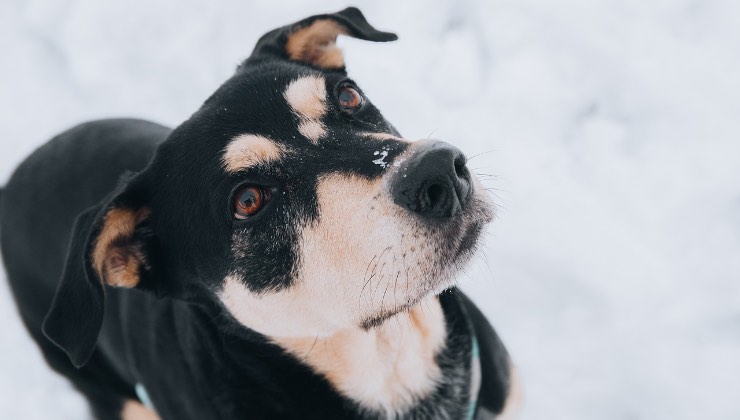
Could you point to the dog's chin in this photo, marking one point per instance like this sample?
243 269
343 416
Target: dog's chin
381 317
447 265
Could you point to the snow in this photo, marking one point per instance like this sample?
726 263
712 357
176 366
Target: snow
608 131
381 160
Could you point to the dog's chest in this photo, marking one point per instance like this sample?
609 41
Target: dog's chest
405 368
230 375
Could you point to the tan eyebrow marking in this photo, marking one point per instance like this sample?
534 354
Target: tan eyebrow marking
307 98
381 136
312 130
248 150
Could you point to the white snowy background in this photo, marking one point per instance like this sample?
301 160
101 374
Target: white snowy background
609 131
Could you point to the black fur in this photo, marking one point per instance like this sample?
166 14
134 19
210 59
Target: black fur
170 333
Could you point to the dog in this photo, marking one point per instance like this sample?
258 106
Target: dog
283 253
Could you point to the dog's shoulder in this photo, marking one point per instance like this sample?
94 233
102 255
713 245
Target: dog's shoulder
105 146
124 136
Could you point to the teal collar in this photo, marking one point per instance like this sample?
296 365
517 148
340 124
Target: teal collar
475 376
144 396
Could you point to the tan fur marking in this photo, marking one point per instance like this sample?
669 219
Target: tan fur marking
249 150
121 268
382 136
386 368
312 130
307 98
316 44
300 314
330 58
116 260
134 410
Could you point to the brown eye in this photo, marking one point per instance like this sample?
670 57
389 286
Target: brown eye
249 200
349 98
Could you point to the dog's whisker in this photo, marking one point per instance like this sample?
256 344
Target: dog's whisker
480 154
368 265
305 357
382 300
369 281
395 286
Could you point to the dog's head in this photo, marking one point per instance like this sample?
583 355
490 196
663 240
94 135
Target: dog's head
288 197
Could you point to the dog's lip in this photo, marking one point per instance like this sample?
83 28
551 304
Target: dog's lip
470 237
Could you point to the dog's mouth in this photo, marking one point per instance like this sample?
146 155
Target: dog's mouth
461 249
465 232
462 243
469 239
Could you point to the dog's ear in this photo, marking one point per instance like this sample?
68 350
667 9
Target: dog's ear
111 244
313 40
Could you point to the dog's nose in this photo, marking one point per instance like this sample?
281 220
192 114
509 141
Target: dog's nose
433 182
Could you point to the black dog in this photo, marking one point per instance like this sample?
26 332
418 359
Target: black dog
283 253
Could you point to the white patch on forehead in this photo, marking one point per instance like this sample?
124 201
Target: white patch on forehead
307 98
249 150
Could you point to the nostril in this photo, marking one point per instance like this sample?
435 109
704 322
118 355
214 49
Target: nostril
463 184
460 169
435 193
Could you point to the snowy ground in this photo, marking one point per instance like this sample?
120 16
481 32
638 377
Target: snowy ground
610 130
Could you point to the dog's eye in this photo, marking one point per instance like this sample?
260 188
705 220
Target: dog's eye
249 200
349 98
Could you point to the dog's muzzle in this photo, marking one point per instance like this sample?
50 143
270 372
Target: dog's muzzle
433 181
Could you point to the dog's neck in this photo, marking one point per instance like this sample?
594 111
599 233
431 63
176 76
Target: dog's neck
386 368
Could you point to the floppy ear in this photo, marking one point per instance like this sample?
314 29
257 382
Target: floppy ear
111 244
313 40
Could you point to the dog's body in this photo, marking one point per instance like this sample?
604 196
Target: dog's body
217 319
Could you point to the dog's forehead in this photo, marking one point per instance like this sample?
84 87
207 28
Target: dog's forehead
271 81
279 112
306 98
275 100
